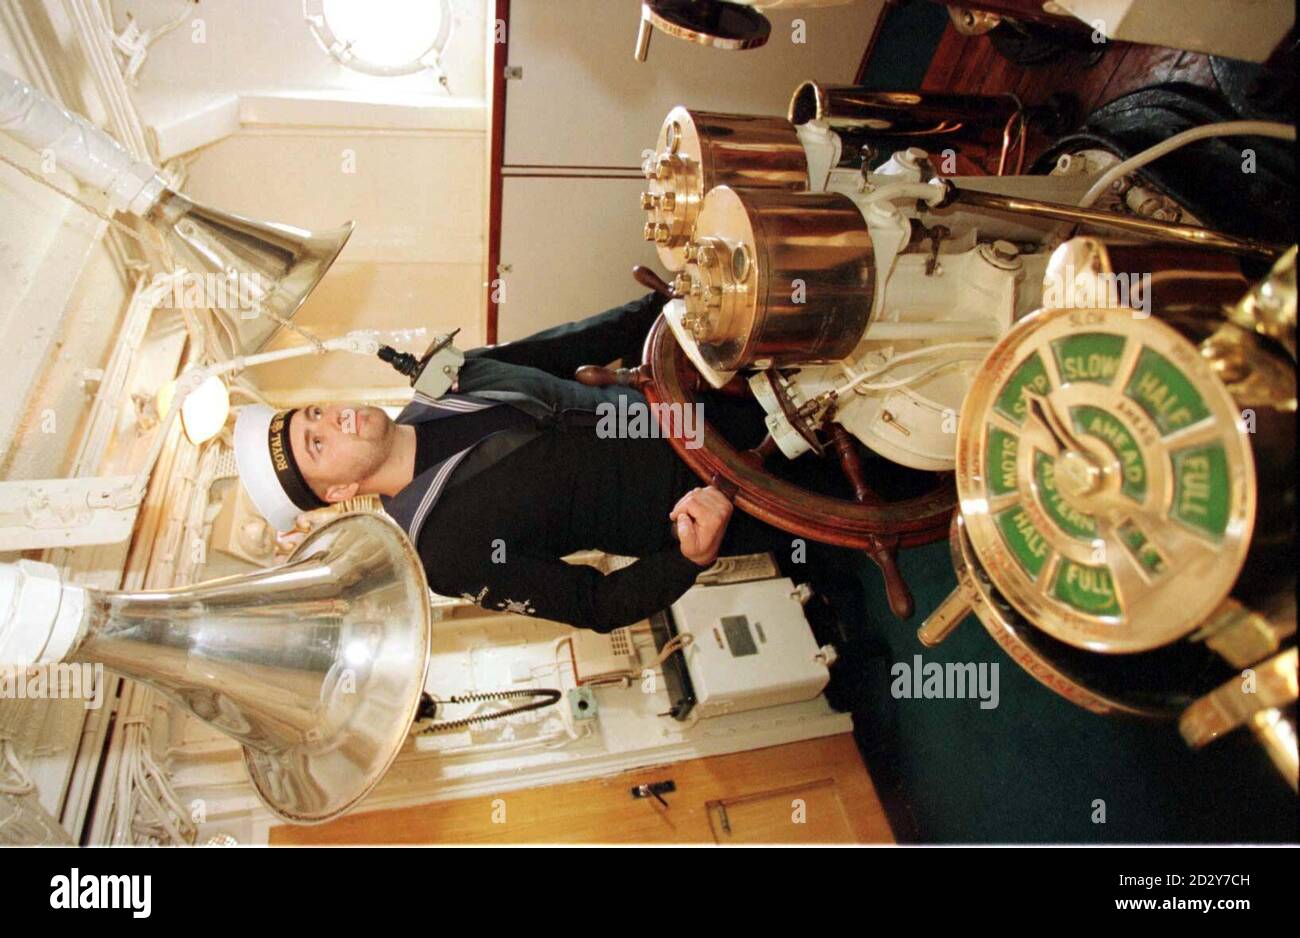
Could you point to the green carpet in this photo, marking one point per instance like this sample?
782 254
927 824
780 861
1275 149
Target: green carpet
1031 769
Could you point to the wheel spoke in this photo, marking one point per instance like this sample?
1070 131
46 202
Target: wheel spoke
760 453
851 464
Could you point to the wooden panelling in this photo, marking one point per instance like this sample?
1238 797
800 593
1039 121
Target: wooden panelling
817 791
970 64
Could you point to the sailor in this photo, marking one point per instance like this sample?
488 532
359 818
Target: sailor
499 479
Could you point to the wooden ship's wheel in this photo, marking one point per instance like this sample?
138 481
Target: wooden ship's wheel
868 522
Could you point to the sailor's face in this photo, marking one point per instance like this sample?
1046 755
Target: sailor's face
338 444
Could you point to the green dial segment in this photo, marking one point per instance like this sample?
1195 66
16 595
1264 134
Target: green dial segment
1000 469
1165 393
1027 544
1088 589
1146 553
1090 356
1202 485
1029 376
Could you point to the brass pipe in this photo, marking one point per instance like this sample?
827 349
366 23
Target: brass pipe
1160 230
949 614
643 35
1275 730
889 114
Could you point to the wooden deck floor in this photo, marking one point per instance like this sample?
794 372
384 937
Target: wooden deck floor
971 64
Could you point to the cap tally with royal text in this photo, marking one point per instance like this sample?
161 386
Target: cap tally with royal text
267 468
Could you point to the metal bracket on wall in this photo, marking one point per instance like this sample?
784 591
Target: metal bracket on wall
582 704
47 513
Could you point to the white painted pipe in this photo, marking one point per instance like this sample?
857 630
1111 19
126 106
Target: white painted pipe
356 342
84 150
929 193
931 329
960 350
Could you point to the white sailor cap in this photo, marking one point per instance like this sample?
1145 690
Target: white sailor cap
267 469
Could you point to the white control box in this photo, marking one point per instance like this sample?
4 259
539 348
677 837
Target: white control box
751 646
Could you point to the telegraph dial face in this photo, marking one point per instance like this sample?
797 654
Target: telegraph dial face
1105 480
